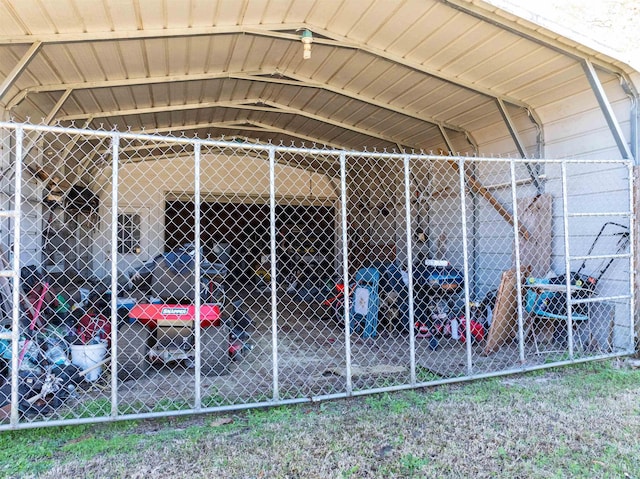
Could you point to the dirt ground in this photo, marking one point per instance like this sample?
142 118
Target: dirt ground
311 358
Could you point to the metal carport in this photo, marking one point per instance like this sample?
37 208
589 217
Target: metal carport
444 76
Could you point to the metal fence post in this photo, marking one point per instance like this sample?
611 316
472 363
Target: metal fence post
345 271
567 257
465 260
274 284
197 274
15 323
516 246
407 205
115 139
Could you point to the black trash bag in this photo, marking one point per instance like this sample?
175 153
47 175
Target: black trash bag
69 375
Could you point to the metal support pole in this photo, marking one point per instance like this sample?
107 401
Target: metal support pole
345 272
197 274
516 246
115 146
632 256
465 258
274 284
635 134
407 204
447 140
15 324
13 75
607 109
513 131
567 258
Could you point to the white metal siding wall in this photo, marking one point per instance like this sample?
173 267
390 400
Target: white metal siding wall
221 175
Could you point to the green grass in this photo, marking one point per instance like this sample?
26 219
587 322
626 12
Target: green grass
33 451
543 424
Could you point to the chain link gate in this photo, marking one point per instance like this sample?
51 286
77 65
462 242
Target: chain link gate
145 275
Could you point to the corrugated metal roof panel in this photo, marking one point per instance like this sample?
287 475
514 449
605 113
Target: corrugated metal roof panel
388 68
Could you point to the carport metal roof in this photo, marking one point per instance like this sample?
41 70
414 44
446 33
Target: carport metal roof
383 74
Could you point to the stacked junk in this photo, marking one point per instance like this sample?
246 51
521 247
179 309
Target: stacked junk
65 341
380 291
61 347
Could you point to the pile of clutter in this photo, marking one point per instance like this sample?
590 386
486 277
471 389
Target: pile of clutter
63 345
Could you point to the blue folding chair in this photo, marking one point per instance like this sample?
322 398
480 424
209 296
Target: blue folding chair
551 305
365 303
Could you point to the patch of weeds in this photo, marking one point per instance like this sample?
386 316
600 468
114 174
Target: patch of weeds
389 382
411 465
556 357
438 394
502 453
332 408
424 375
378 402
482 391
214 400
94 408
34 451
399 405
90 446
395 403
171 405
27 452
260 398
416 398
278 414
596 379
616 463
133 408
350 472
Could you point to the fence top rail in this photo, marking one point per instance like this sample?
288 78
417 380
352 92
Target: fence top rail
291 149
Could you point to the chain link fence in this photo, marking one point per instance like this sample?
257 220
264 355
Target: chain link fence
150 276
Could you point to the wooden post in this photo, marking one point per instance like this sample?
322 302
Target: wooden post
477 187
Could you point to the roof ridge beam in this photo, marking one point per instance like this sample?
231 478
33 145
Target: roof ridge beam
122 82
160 109
105 36
234 125
267 77
304 81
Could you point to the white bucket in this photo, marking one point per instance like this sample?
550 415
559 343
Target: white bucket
87 355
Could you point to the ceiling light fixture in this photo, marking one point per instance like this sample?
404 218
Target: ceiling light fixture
307 40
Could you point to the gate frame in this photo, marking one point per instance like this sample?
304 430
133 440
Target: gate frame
340 155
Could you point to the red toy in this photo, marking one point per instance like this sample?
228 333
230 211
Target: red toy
94 326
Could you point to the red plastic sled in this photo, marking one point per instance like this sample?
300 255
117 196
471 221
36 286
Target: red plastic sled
151 315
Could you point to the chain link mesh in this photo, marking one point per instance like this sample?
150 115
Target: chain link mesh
230 269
